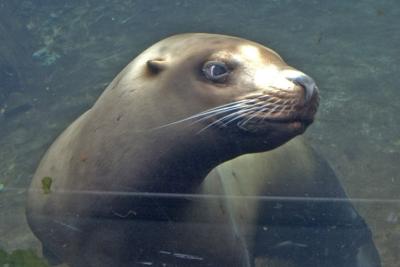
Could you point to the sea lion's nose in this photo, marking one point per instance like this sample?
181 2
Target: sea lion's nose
305 81
310 88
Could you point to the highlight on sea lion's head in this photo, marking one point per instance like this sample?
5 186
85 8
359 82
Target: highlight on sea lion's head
230 85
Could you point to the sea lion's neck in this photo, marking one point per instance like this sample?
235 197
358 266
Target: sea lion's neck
148 154
181 161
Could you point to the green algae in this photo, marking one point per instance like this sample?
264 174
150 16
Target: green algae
46 184
21 258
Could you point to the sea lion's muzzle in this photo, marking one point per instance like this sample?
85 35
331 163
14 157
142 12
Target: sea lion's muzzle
309 107
287 100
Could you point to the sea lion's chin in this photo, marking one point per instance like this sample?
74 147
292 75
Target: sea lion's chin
291 127
266 135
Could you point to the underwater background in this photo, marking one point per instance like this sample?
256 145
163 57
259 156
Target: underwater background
56 57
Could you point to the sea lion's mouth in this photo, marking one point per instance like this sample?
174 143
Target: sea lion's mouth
297 126
259 123
297 119
269 133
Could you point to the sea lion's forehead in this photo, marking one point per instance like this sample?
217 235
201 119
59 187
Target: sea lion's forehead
254 52
248 52
217 45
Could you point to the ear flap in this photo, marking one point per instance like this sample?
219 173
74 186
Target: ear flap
157 65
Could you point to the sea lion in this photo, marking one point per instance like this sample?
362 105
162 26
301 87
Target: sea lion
137 180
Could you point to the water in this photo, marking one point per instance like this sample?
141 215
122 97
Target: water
56 57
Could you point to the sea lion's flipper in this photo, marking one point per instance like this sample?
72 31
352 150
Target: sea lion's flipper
303 214
316 243
318 226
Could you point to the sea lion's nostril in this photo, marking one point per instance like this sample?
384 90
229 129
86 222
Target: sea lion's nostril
305 81
308 84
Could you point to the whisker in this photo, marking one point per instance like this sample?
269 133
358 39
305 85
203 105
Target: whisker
213 111
250 109
218 112
222 119
229 104
238 117
264 108
203 115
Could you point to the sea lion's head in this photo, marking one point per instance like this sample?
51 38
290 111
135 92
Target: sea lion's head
216 84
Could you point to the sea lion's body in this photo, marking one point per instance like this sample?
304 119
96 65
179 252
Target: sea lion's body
134 180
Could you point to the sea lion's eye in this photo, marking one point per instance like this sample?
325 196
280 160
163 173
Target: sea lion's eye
215 71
